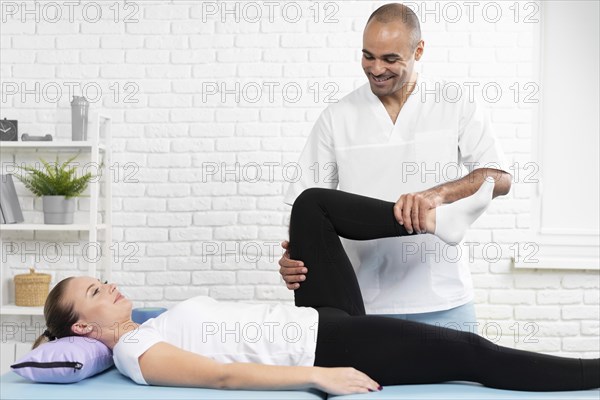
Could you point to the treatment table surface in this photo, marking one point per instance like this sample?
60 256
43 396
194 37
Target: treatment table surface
111 385
114 386
464 391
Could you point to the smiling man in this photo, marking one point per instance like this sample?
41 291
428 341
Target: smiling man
392 45
402 138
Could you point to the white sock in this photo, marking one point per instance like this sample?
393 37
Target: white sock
452 220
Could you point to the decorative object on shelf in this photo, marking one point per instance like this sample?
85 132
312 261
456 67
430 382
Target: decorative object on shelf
26 137
58 186
79 118
9 130
58 209
31 289
10 209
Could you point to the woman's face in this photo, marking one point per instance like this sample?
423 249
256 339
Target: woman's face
99 306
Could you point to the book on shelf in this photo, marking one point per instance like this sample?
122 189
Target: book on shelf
9 201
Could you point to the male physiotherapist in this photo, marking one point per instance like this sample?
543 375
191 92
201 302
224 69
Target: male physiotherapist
402 138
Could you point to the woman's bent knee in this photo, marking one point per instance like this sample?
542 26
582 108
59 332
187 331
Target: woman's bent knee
309 199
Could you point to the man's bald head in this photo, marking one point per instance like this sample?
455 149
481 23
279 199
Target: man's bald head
396 12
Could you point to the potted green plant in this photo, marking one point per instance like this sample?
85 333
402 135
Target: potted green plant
58 186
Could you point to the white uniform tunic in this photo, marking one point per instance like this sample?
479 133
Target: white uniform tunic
276 334
356 143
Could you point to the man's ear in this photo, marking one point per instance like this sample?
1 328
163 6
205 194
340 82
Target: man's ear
419 50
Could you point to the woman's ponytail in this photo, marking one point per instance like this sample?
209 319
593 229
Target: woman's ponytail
43 338
40 340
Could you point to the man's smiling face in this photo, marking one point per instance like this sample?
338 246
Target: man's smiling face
388 56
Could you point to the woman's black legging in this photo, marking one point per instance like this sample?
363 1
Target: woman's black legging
390 350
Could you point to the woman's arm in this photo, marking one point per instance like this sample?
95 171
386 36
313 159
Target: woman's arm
167 365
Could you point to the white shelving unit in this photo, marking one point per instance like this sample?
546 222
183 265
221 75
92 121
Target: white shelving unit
98 147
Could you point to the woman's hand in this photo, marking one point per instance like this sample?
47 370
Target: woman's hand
344 381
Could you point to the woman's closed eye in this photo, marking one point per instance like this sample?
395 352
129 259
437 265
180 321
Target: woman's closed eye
98 289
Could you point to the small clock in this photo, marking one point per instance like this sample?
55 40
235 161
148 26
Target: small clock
9 130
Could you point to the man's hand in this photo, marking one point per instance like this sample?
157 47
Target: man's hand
411 208
291 271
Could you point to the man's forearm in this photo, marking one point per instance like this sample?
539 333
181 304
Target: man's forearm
469 184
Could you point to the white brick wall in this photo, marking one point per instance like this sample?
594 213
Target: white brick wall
169 213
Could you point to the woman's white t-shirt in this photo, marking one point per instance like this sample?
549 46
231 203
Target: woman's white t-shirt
276 334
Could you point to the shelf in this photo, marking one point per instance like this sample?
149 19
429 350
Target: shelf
97 148
11 309
49 227
84 145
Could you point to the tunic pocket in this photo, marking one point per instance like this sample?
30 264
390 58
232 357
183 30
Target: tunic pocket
437 157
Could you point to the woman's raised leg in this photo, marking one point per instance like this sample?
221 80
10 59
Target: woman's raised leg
319 217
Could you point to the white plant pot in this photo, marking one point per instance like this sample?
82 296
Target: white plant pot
58 209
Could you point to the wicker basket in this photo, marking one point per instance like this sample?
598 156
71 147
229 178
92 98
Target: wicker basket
31 289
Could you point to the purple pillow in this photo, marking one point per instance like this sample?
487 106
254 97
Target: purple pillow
65 360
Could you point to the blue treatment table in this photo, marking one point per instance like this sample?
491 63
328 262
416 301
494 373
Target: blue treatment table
112 385
464 391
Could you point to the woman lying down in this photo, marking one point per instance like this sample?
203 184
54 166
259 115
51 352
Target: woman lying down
326 341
